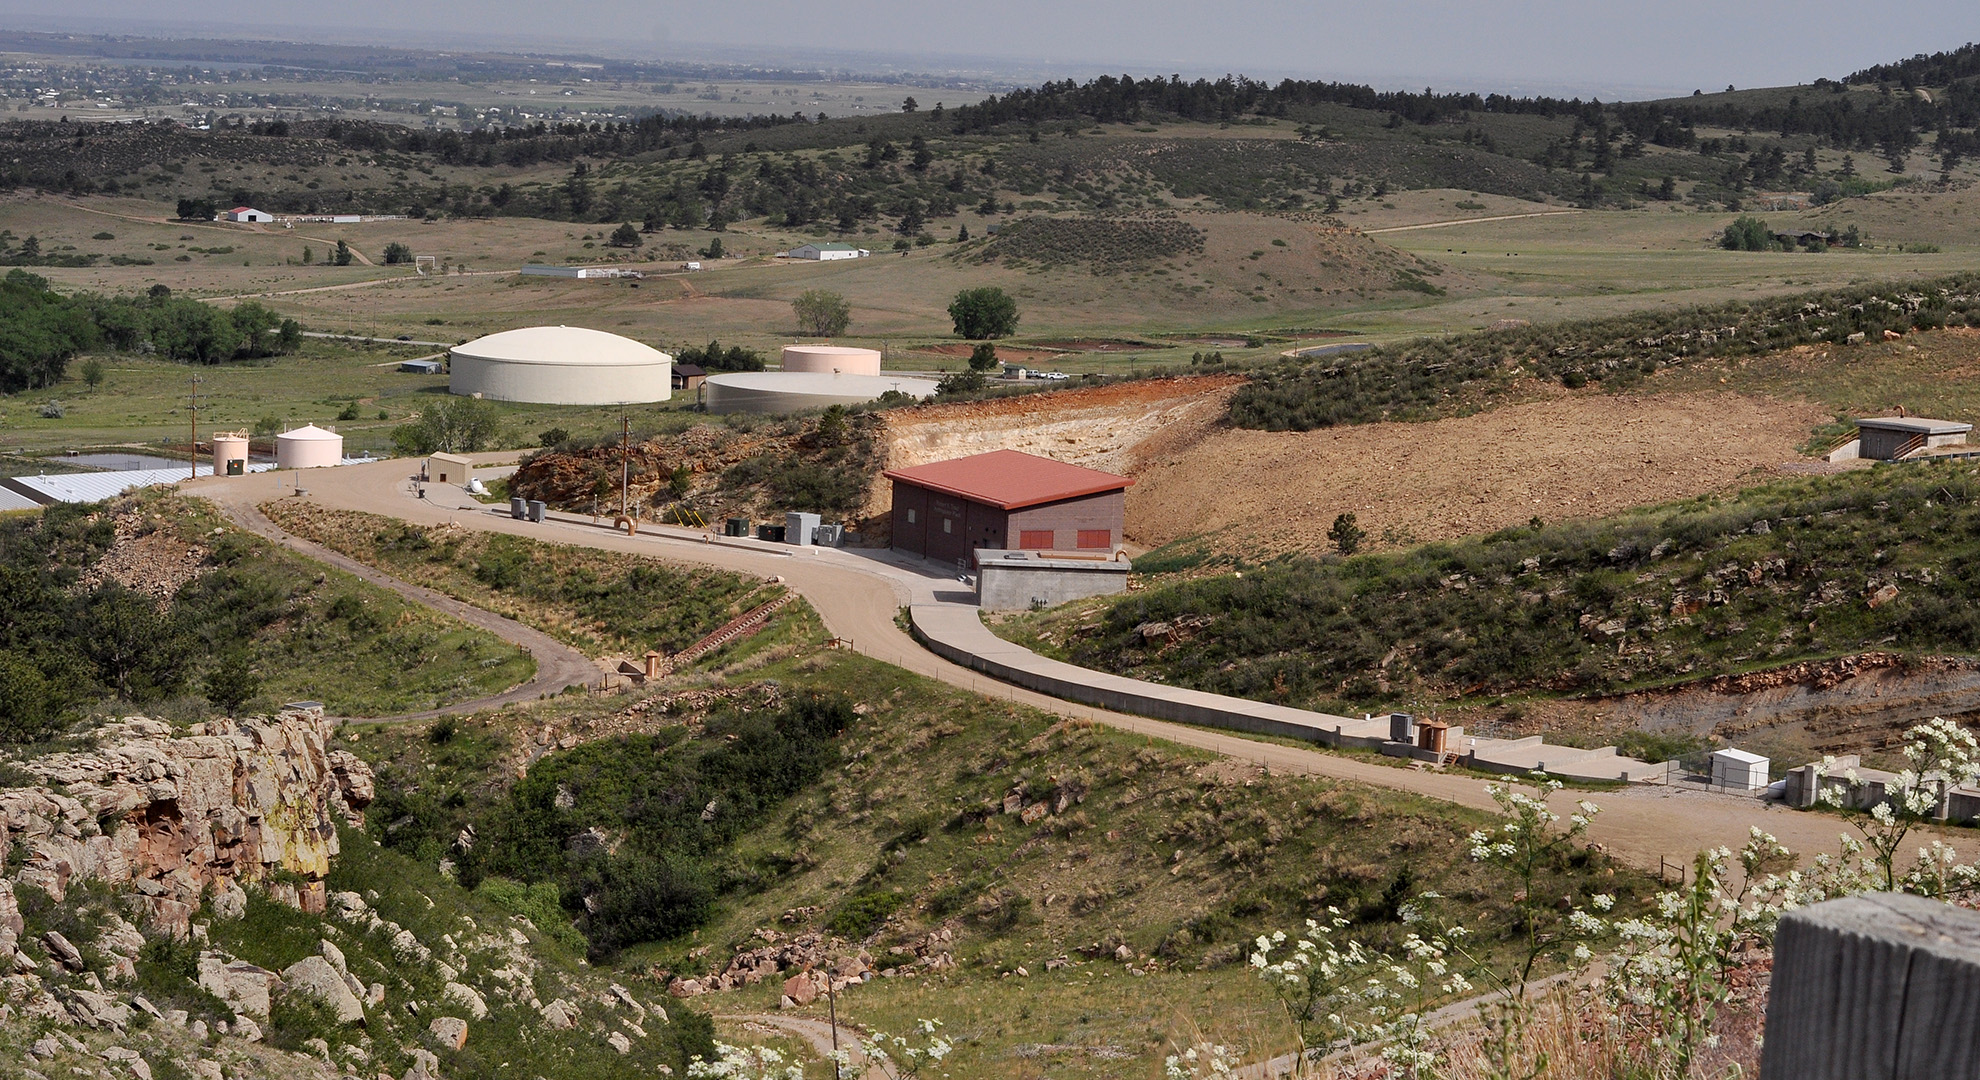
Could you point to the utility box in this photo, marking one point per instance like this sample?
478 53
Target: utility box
1433 735
518 507
536 509
828 535
736 527
1737 770
1402 727
798 528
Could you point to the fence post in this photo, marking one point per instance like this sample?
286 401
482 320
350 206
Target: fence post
1883 986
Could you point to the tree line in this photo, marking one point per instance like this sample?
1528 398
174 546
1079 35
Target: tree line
42 330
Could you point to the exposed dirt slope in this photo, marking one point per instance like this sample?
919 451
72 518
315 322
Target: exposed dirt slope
1100 428
1577 455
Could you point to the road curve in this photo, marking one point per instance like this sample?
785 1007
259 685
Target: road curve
858 597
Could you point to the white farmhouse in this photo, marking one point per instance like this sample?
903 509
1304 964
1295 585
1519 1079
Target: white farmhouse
829 252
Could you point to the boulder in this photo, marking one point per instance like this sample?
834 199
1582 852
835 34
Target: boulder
239 984
333 954
313 976
560 1014
451 1031
800 989
466 997
230 901
424 1065
98 1011
247 1030
61 951
619 1042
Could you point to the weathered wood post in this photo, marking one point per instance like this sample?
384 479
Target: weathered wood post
1877 987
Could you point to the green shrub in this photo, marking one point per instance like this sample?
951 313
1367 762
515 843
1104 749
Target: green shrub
539 903
862 913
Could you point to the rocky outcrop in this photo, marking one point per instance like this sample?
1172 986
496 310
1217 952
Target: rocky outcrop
172 818
315 977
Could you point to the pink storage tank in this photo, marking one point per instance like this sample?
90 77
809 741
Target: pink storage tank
230 453
308 447
832 359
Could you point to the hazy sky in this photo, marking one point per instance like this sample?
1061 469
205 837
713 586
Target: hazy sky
1545 45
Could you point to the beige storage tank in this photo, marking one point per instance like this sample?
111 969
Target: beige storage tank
308 447
230 454
795 391
832 359
561 365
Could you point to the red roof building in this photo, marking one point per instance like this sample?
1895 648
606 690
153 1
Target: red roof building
1005 500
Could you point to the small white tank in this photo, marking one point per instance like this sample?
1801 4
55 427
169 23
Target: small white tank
831 359
230 453
308 447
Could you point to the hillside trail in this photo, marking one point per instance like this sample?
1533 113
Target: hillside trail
1466 221
858 594
818 1035
558 666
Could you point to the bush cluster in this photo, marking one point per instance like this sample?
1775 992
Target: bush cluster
634 830
1105 245
1431 377
1779 573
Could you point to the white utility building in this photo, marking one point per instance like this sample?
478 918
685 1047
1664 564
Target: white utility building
829 252
308 447
561 365
831 359
1738 770
247 213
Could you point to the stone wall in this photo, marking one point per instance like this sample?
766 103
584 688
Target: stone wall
176 818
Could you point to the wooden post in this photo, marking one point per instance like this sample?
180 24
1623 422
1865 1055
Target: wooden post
1883 986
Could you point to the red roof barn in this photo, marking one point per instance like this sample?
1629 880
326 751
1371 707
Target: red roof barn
1005 499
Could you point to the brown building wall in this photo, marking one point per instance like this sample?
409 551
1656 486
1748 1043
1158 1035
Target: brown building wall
973 525
1107 510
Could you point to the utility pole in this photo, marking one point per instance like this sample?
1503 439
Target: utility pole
195 427
832 1003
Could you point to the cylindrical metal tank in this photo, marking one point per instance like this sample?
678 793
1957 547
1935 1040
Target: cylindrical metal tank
832 359
561 365
794 391
230 453
308 447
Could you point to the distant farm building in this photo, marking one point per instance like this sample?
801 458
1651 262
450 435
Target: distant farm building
247 213
561 365
583 272
1006 501
420 367
829 252
688 376
1890 438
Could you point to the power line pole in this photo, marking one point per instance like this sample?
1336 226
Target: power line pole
625 469
195 427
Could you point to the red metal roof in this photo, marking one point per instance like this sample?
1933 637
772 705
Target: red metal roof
1009 480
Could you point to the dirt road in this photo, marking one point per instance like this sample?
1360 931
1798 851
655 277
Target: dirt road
857 599
557 665
1467 221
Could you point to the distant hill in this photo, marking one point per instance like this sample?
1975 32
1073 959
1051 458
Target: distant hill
1107 146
